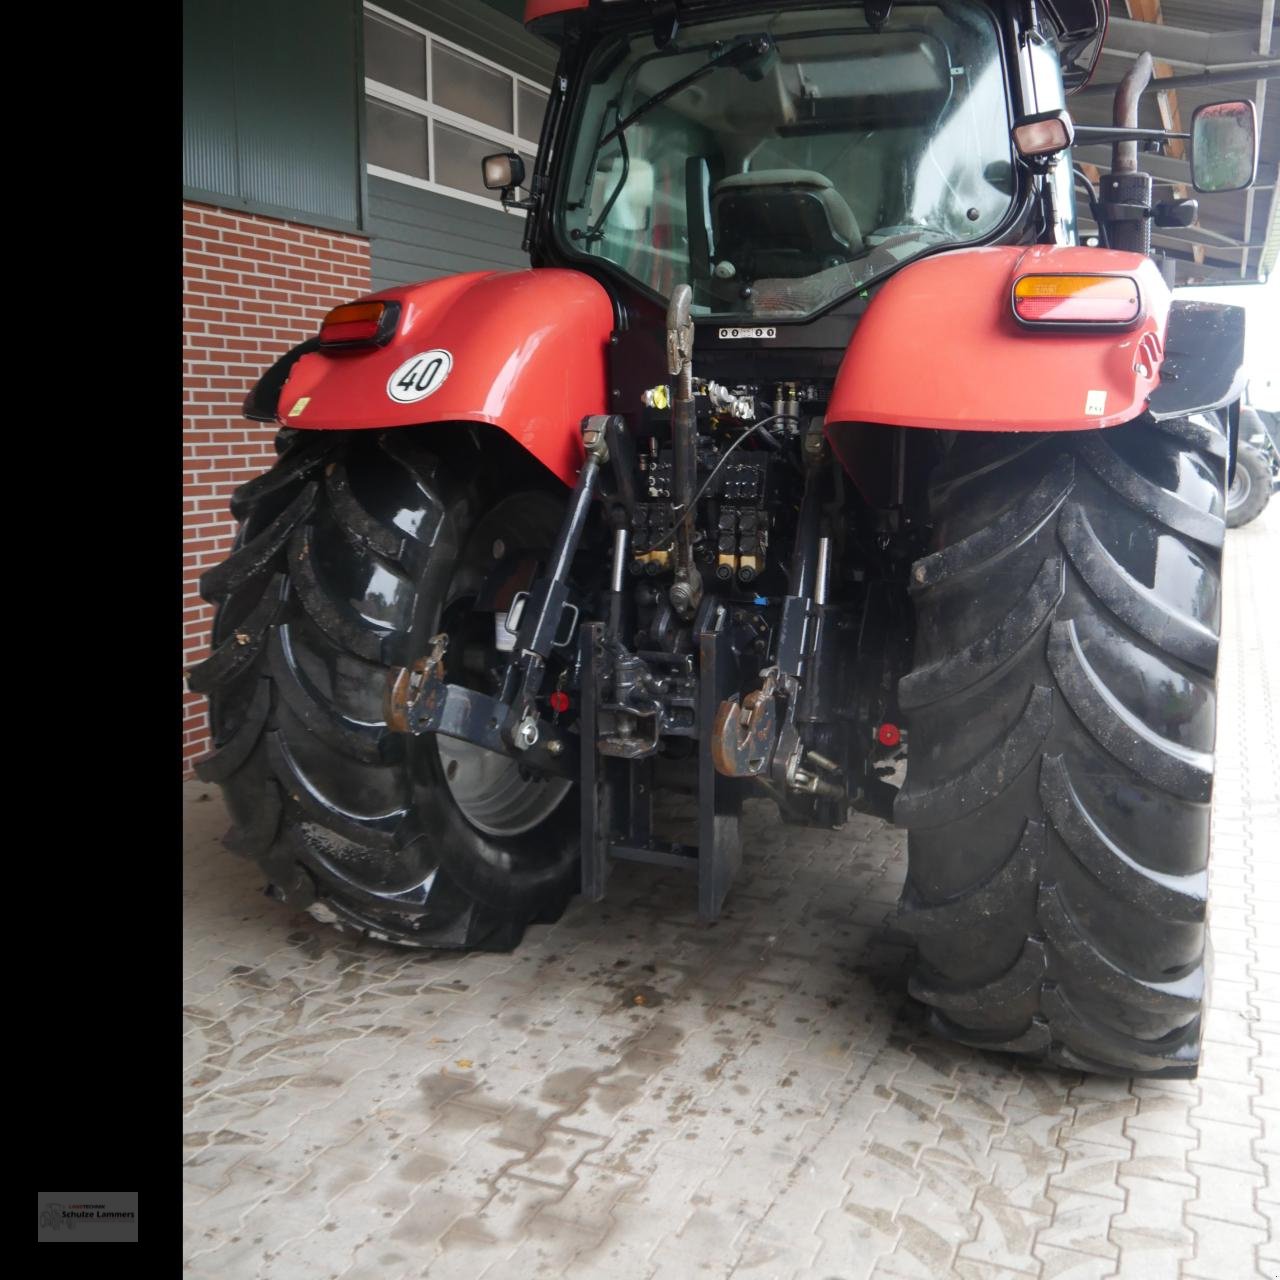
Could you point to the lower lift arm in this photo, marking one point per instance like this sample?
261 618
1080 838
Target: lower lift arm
420 700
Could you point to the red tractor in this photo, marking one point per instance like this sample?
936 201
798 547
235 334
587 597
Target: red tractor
814 459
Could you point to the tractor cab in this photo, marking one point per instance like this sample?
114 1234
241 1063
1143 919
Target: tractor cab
778 161
778 158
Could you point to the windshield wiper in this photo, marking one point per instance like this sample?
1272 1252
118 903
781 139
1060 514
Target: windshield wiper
749 54
752 55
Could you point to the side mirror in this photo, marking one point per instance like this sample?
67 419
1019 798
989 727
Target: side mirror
1224 146
503 172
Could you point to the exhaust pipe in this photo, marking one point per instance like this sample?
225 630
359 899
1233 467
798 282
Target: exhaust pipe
1124 155
1127 193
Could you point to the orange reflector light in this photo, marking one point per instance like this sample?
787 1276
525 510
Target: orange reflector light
356 323
1077 300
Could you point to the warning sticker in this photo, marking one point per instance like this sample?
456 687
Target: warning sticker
1095 405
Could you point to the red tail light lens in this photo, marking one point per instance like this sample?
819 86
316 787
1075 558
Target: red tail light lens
1077 300
359 324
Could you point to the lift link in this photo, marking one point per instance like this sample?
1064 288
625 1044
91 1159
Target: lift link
686 592
754 737
419 700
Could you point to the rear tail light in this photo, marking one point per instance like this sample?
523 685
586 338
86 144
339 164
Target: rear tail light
359 324
1083 301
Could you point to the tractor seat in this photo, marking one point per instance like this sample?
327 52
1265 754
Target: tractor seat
782 223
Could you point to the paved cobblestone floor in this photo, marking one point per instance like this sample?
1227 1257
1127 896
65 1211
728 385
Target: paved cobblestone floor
633 1096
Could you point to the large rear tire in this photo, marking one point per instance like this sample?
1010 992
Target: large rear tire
354 549
1061 711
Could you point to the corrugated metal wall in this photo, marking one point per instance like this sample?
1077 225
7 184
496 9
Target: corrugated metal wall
416 234
271 93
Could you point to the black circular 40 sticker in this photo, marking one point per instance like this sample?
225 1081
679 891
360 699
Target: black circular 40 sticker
419 376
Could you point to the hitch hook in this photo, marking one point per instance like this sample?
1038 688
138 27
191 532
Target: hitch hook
745 732
405 685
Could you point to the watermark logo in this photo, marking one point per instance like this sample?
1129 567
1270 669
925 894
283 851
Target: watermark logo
95 1216
53 1217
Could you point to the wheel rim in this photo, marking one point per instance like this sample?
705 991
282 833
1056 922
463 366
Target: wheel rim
1240 489
492 791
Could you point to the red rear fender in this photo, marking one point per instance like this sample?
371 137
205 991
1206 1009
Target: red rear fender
939 347
523 350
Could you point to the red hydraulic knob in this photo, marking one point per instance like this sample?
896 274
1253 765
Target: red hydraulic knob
889 735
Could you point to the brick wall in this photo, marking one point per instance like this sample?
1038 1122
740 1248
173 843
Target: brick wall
253 288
